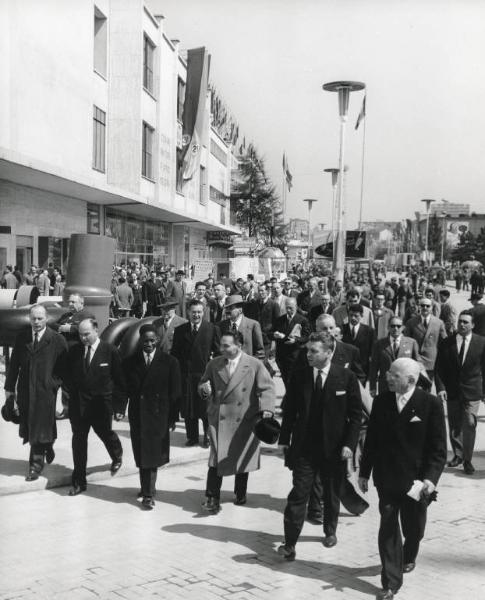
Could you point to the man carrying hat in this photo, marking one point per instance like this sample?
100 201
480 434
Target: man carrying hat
250 329
238 391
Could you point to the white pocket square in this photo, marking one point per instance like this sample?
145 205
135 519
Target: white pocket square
104 365
346 366
340 393
415 419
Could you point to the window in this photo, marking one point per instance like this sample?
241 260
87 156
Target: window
202 186
100 42
180 98
93 219
147 151
148 52
99 137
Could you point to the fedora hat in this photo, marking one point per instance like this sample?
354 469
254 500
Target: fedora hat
234 300
169 304
267 430
10 413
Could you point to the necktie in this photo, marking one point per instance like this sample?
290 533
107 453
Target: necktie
36 340
234 328
353 332
87 358
319 382
461 354
425 322
395 348
401 403
149 360
194 330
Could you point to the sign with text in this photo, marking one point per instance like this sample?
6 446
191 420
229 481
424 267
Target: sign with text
202 268
354 247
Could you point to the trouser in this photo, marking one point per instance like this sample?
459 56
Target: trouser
148 479
462 421
304 471
349 498
192 428
102 426
65 399
37 455
214 483
392 551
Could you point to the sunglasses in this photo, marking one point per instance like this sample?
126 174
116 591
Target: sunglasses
425 305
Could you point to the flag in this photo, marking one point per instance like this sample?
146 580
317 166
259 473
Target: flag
361 114
286 172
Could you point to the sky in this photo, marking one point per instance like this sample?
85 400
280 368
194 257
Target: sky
423 65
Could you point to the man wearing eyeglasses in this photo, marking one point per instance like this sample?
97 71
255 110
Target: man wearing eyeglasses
386 350
427 330
460 381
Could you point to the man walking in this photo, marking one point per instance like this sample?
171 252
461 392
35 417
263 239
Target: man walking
249 328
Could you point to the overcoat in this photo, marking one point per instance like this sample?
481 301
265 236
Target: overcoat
38 377
154 395
233 410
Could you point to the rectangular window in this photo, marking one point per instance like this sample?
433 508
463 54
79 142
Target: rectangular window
147 151
148 52
99 139
100 42
93 218
180 98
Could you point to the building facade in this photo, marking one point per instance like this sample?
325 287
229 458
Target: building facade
91 106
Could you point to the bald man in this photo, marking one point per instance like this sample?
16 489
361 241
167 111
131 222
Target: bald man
405 443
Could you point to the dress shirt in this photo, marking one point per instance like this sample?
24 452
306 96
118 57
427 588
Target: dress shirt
148 357
324 371
237 322
168 321
38 333
354 330
93 347
402 399
460 340
232 364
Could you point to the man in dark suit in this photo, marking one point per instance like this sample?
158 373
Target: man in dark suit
249 328
478 311
35 370
386 350
217 304
325 307
359 335
405 443
151 295
291 332
68 326
268 312
194 344
154 389
320 429
309 298
97 390
460 381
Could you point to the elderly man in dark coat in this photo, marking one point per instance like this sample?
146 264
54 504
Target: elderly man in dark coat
238 390
153 385
36 368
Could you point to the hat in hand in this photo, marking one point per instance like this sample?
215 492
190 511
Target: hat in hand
10 412
267 430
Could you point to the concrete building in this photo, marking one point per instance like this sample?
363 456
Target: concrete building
91 101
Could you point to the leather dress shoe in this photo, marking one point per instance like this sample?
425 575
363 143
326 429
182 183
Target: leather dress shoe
408 567
205 442
240 500
454 462
211 506
329 541
385 595
287 552
32 475
116 466
468 468
316 519
148 502
49 455
190 443
76 489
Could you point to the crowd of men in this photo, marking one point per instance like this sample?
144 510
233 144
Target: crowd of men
210 356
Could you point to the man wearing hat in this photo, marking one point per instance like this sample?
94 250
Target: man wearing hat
249 328
177 290
154 388
167 324
238 391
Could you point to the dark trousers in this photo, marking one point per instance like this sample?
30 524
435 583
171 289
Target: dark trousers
214 483
102 426
148 479
462 421
192 428
391 548
37 454
304 471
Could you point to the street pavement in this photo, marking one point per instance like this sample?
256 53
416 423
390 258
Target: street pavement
102 544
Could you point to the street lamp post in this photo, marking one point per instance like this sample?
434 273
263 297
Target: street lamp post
443 238
428 204
343 88
310 204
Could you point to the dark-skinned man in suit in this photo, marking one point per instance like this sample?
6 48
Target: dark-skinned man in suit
405 448
359 335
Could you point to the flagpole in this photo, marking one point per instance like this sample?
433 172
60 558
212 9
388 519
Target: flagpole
362 175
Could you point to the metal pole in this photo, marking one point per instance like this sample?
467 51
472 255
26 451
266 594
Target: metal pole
426 239
339 257
443 235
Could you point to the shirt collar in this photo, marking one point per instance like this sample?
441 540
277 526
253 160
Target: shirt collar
39 334
324 371
407 395
94 347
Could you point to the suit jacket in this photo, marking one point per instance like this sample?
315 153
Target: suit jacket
305 302
466 382
381 322
363 341
72 319
267 315
193 354
341 316
290 351
154 396
383 356
216 310
177 290
251 332
479 318
427 338
402 447
341 417
317 310
232 411
166 333
101 387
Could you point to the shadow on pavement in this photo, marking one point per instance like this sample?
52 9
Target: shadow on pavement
262 545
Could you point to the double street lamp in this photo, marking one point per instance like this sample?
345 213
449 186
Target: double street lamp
343 89
428 202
